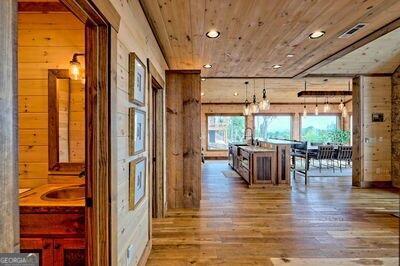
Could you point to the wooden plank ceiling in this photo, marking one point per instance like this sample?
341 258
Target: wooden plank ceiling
279 90
256 34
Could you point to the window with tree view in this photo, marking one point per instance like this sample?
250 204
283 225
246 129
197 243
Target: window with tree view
323 129
224 129
273 126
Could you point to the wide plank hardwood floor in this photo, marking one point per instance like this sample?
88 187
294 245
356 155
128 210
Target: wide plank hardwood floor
325 223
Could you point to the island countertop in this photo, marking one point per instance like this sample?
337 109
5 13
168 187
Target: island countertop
256 149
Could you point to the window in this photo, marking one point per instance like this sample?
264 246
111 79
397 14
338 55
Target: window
323 129
223 130
273 126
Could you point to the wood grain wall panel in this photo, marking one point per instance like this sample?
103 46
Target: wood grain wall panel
372 142
396 128
45 41
134 35
9 211
183 139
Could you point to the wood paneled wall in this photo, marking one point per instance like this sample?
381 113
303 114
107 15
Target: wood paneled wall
9 210
372 140
294 109
130 227
396 128
183 139
45 41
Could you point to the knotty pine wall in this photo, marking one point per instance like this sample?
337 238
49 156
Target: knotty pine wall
45 41
294 109
130 227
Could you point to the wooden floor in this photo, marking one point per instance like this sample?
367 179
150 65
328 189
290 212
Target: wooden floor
327 223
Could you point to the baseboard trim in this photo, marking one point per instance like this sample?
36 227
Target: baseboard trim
216 157
376 184
146 254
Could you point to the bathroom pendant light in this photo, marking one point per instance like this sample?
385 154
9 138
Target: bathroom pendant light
254 106
316 107
327 107
75 67
246 109
264 104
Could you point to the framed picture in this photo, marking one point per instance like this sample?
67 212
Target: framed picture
137 131
137 80
137 182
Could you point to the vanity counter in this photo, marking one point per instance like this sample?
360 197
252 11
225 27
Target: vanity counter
33 197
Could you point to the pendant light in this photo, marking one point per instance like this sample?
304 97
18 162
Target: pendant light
316 107
341 105
305 106
246 109
75 67
327 107
264 104
344 112
254 106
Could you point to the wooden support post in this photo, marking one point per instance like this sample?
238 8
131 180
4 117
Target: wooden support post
9 209
396 128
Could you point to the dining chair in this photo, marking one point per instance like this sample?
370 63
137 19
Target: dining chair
344 154
325 152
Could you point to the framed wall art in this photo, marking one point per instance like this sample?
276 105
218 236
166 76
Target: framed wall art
137 80
137 131
137 182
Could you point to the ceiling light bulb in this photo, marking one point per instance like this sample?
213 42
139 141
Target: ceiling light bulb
203 79
235 93
316 34
202 94
213 34
207 66
276 66
290 55
74 69
316 109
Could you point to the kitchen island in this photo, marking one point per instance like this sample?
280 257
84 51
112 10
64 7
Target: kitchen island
263 165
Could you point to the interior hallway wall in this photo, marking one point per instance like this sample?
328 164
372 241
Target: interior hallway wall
130 227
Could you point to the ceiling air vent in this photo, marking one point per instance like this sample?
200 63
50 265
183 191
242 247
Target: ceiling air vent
352 30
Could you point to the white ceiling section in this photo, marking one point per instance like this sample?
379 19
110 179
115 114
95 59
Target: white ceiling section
381 56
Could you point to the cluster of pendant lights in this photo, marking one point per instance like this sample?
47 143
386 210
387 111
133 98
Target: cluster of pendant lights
255 107
342 108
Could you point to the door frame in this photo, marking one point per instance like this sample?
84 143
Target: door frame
101 24
157 158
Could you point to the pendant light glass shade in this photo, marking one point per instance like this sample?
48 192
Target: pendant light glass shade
264 104
74 69
316 110
327 107
344 112
246 109
305 110
254 106
341 105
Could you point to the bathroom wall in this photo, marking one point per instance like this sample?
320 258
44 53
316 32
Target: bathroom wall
45 41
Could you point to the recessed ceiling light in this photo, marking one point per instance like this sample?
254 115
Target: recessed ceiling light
213 34
202 94
276 66
203 79
207 66
290 55
235 93
316 34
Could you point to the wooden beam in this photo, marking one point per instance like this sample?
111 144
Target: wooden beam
324 94
363 41
9 209
41 7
